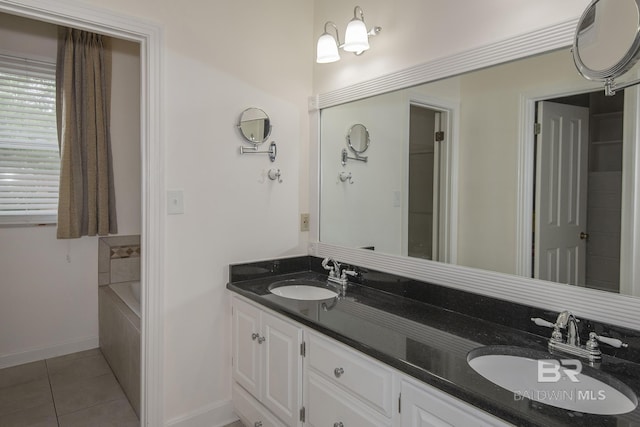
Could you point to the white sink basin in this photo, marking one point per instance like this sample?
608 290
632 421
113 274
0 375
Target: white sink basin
306 290
574 388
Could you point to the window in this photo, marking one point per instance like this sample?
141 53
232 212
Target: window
29 155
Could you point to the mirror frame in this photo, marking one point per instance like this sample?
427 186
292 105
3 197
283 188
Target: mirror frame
597 305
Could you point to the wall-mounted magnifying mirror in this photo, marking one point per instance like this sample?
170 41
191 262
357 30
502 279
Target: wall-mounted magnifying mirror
607 41
358 138
358 141
254 125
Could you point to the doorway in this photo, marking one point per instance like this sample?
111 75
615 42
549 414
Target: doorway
578 190
427 176
149 36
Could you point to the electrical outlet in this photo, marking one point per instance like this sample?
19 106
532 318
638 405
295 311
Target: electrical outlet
304 222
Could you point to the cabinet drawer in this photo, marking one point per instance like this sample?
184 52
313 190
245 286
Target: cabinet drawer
252 413
423 405
327 405
368 380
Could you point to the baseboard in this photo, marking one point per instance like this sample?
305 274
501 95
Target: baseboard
35 354
217 414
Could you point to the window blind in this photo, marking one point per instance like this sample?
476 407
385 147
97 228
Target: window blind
29 154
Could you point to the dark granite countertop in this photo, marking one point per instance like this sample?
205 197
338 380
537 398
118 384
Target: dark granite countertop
426 331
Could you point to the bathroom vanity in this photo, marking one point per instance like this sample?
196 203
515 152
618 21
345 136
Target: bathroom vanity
389 351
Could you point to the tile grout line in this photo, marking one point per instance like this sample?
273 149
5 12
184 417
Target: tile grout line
46 364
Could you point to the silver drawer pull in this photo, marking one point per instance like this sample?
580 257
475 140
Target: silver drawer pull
338 424
338 373
257 424
261 340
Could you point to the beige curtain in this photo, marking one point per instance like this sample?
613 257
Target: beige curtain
86 204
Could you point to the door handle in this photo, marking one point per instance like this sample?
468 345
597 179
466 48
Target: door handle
584 236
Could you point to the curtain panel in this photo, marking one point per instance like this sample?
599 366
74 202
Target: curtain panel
86 204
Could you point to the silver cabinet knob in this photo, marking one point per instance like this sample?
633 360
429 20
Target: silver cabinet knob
254 336
338 424
338 372
261 340
257 424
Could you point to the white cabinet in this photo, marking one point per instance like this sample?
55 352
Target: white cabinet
425 406
339 387
266 360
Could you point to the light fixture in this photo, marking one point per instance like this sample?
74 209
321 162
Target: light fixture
327 50
356 39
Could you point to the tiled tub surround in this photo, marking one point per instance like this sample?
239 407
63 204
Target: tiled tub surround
118 259
119 310
426 331
120 342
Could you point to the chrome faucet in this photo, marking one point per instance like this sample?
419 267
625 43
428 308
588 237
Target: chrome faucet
567 321
337 274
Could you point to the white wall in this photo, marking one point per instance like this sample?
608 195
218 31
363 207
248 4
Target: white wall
417 31
49 287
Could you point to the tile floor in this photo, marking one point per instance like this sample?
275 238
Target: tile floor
74 390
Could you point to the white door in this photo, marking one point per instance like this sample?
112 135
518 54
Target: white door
246 351
561 193
282 368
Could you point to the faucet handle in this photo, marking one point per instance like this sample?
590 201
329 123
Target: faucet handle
541 322
326 266
613 342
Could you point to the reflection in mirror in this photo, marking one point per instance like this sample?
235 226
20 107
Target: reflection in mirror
358 138
464 207
254 125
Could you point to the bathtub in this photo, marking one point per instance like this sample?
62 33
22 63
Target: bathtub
129 293
119 326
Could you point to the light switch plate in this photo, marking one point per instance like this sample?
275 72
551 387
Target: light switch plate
175 202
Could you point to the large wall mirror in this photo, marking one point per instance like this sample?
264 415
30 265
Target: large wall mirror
522 168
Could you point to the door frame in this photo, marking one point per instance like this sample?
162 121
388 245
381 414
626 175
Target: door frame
630 224
448 237
150 38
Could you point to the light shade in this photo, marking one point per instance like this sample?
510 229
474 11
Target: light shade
356 38
327 49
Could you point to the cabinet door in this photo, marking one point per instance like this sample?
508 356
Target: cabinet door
282 368
424 406
246 351
252 413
